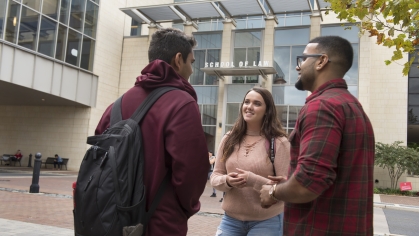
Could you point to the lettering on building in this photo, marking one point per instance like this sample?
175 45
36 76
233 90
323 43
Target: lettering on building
232 65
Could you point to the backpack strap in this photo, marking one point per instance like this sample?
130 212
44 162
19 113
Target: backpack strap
149 101
116 112
157 198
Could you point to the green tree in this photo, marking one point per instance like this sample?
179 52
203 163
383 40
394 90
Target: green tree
395 23
397 159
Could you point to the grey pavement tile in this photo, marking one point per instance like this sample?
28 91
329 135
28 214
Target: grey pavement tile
18 228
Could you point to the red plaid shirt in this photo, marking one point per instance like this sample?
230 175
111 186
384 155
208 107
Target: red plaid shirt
332 154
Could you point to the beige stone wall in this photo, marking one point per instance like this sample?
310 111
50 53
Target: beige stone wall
107 64
48 130
383 94
64 130
134 59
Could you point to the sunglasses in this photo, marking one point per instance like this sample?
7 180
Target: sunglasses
302 58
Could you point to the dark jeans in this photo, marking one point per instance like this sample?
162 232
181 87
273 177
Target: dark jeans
57 163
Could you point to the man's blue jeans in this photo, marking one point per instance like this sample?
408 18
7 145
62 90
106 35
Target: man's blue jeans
232 227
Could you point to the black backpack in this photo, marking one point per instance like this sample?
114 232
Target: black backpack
109 197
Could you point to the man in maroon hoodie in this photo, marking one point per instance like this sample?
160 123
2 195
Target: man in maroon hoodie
172 132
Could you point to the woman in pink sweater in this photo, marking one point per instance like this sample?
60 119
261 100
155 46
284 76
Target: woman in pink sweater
243 164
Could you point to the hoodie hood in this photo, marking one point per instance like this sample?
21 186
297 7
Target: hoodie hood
158 74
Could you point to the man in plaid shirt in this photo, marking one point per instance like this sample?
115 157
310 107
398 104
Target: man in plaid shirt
329 190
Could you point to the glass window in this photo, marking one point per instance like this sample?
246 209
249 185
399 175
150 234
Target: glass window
135 28
210 136
197 77
208 40
295 51
413 117
293 115
292 37
28 29
61 42
350 34
88 51
413 85
353 90
207 94
47 36
284 57
204 26
64 11
351 76
232 113
288 95
413 99
282 112
255 22
209 115
306 20
50 8
248 39
13 17
414 70
253 54
73 47
96 1
178 26
239 55
2 16
293 20
76 14
213 55
34 4
90 22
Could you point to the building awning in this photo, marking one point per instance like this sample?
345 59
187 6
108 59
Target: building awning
190 11
239 71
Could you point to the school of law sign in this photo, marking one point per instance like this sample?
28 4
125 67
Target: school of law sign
221 69
231 64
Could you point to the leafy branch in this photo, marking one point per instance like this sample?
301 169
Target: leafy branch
394 23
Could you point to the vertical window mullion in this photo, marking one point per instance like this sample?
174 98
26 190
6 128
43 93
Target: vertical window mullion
39 28
289 69
288 116
18 24
6 10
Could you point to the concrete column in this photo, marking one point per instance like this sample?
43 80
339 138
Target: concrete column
268 46
229 26
315 29
151 30
189 28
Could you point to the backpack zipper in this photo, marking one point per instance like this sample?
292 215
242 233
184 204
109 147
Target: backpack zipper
88 183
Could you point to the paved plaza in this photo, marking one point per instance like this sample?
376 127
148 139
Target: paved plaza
50 212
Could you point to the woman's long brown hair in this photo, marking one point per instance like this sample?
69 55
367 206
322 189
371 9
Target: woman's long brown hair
271 125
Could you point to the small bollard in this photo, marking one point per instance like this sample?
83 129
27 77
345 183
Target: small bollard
36 171
30 160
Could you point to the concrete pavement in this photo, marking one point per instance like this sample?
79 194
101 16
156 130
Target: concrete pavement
50 212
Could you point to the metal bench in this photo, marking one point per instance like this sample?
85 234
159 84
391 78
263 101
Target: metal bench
50 161
7 158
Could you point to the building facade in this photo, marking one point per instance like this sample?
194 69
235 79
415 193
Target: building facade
63 62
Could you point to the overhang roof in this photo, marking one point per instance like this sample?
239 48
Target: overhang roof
238 71
204 9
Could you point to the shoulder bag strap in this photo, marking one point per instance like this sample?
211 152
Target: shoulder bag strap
272 153
149 101
116 112
158 197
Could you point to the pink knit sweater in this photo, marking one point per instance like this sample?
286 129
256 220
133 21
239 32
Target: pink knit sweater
244 203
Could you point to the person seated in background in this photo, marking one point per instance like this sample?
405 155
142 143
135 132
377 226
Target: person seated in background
17 156
57 161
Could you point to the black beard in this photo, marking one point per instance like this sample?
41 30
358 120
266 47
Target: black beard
299 85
